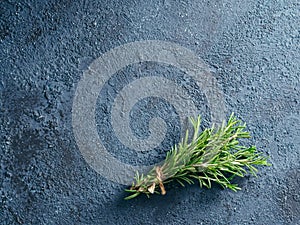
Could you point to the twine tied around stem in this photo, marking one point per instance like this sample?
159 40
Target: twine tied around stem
159 177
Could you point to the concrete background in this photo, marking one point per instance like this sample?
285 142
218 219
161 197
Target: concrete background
253 50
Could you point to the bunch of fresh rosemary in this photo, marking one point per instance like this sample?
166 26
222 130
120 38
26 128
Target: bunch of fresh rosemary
213 155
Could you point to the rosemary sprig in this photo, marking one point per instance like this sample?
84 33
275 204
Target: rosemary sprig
213 155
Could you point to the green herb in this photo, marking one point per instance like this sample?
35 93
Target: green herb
213 155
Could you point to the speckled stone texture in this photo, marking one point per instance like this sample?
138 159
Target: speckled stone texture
252 49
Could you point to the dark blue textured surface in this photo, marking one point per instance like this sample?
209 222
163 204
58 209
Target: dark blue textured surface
252 48
144 111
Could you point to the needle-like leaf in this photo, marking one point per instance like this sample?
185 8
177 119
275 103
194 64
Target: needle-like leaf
213 155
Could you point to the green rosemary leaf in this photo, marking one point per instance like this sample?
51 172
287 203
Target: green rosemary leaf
132 196
214 155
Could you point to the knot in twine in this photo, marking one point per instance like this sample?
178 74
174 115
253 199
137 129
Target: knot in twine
159 177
